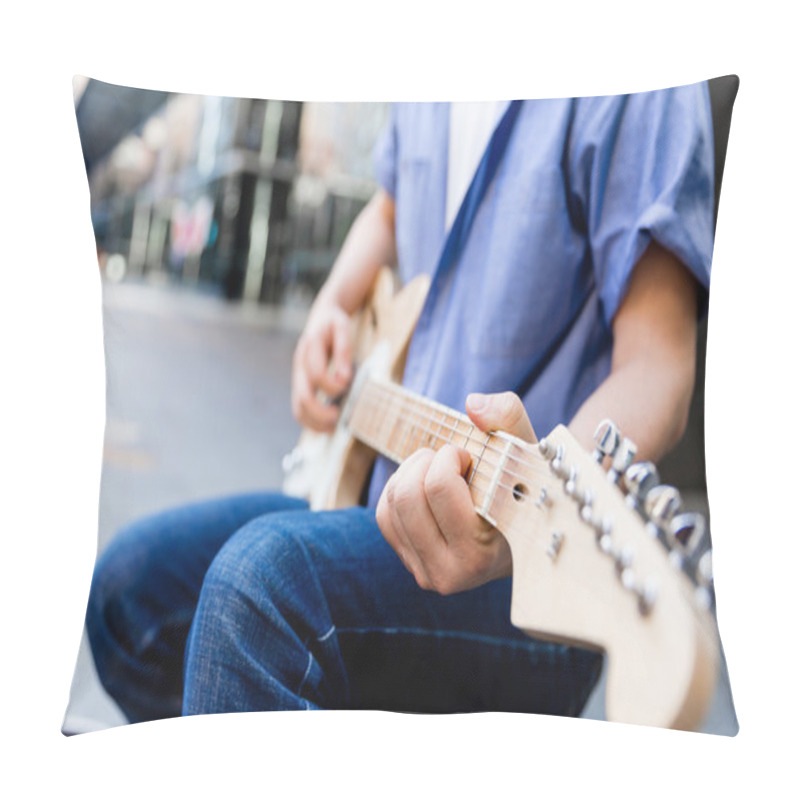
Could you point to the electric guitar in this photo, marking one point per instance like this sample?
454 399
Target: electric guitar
602 558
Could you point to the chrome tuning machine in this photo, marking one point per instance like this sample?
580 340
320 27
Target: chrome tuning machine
690 531
661 504
638 480
606 439
688 537
608 442
622 459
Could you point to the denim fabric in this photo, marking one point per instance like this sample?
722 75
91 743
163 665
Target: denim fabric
143 596
287 609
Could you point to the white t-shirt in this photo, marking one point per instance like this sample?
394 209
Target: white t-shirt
471 126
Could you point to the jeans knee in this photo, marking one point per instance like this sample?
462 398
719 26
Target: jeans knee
260 613
262 573
114 578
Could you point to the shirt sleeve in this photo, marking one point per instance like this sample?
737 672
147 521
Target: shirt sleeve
643 170
384 155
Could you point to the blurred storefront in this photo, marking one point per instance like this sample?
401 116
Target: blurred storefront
248 197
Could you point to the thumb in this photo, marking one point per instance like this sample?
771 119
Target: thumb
500 412
341 354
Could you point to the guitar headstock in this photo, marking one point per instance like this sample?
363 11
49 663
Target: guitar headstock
613 562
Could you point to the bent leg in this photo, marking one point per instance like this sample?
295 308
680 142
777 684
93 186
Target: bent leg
144 593
314 610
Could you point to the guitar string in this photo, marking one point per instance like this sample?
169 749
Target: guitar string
414 406
493 467
423 409
479 492
477 473
407 405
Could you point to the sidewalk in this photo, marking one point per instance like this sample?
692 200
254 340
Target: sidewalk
197 406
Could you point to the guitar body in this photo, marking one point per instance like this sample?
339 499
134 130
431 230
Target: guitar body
331 470
596 563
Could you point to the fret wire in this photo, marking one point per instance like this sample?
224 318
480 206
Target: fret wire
382 425
491 475
438 433
406 404
408 439
394 427
398 430
479 473
407 423
469 435
480 457
428 427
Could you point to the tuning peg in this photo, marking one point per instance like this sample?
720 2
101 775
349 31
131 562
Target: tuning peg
690 530
639 479
606 439
557 464
623 559
661 504
547 449
623 458
648 594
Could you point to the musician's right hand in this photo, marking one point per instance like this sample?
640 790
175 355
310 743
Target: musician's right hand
322 366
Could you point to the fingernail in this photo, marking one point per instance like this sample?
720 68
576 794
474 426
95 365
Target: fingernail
478 402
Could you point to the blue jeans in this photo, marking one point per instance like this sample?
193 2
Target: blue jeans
255 603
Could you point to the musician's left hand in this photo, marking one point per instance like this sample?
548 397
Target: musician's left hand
427 515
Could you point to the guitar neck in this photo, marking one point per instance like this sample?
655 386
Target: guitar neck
396 423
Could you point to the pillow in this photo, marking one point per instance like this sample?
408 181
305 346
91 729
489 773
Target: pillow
218 220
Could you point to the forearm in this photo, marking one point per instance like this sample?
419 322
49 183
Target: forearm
649 388
370 245
648 402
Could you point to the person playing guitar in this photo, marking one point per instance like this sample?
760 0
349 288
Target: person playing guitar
567 244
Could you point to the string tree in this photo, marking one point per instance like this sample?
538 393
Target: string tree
543 500
547 449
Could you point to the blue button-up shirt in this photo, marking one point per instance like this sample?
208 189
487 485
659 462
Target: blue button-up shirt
584 185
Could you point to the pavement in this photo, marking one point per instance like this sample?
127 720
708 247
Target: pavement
198 406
